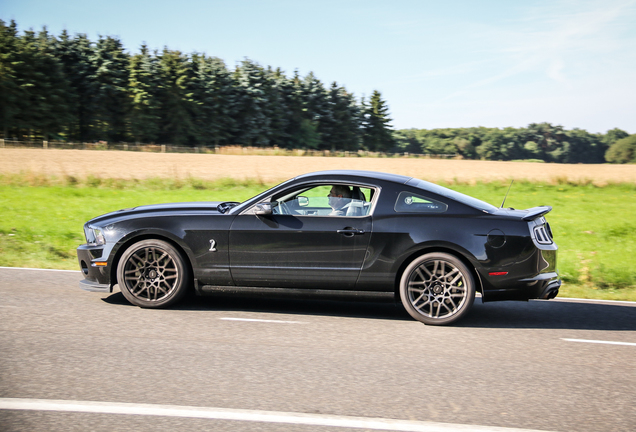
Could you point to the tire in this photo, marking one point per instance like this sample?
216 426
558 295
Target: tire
153 274
437 289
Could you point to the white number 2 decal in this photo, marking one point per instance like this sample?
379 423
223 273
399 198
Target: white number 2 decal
212 244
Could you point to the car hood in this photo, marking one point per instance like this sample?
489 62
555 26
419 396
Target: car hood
168 209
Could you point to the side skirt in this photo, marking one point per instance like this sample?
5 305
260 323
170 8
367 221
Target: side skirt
208 290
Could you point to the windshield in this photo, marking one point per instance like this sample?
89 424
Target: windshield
457 196
257 198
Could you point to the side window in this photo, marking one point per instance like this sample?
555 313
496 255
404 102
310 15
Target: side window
320 201
408 202
315 198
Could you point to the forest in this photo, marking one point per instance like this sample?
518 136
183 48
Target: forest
69 88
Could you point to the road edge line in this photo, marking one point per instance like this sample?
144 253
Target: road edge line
38 269
375 423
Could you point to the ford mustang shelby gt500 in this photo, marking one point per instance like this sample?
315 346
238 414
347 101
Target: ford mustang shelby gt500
346 232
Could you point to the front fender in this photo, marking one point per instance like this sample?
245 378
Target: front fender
142 234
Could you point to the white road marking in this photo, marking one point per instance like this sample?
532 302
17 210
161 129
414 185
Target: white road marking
243 415
600 342
262 320
592 301
38 269
5 306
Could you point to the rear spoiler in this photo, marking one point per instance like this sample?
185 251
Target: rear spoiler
536 212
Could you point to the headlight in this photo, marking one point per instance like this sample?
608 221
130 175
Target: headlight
94 235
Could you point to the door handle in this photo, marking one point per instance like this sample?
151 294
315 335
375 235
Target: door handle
350 231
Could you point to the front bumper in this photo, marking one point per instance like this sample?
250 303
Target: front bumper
96 278
88 285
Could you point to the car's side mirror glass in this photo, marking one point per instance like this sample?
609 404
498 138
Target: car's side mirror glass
263 209
303 201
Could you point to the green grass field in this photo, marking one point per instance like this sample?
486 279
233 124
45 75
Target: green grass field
595 227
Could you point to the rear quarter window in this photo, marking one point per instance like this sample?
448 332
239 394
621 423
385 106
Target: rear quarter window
409 202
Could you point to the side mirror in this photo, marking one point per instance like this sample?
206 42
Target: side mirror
263 209
303 201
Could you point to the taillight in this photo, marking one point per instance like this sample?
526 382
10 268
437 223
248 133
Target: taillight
543 234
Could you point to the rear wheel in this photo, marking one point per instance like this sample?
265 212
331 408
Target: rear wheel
152 274
437 289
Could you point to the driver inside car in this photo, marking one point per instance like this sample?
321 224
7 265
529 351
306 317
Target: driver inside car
339 198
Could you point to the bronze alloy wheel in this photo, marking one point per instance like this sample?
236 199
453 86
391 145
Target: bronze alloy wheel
152 274
437 288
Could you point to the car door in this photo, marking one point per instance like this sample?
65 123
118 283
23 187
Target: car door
304 249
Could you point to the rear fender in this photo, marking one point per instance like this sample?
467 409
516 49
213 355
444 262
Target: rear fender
451 249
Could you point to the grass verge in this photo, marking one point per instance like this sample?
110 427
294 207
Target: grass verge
595 227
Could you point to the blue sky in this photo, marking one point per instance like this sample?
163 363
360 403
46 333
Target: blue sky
438 64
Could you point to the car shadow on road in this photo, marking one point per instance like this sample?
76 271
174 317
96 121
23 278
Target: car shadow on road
507 314
284 305
551 315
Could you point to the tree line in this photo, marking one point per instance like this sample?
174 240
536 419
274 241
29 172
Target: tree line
73 89
540 141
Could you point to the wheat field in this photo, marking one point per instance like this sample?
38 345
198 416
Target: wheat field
139 165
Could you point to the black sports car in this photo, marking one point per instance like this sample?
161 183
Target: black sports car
334 232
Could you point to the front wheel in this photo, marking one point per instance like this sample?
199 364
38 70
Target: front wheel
437 289
152 274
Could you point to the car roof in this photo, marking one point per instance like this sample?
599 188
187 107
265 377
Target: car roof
371 175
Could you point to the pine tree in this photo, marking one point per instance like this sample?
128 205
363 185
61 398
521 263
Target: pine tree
254 121
298 131
175 95
278 109
215 98
316 109
42 108
376 128
56 116
111 75
341 128
144 103
76 57
9 87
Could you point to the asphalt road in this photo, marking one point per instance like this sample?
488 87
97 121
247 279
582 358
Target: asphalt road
506 365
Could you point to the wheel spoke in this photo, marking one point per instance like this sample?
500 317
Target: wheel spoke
453 303
424 303
141 285
419 273
436 263
459 276
419 298
451 273
140 262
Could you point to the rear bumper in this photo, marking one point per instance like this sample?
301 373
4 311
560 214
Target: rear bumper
543 286
551 290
